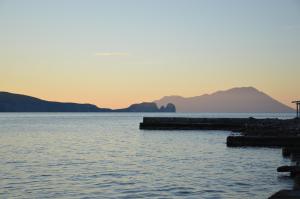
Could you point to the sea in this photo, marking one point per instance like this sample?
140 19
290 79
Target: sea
106 155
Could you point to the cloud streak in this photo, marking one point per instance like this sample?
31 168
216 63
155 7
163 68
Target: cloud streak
111 54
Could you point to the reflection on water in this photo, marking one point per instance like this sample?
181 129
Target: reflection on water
75 155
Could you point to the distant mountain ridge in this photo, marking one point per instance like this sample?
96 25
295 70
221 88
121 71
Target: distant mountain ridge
234 100
10 102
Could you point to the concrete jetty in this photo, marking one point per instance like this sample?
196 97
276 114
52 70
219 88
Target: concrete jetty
263 141
184 123
246 126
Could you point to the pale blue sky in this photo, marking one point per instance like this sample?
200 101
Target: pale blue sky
97 51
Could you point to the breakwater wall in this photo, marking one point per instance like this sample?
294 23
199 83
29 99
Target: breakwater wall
181 123
263 141
247 126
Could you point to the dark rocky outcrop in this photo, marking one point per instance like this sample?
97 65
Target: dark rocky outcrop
147 107
169 108
286 168
286 194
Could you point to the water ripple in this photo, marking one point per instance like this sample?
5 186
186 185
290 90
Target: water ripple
107 156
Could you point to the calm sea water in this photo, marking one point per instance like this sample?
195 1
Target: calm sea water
105 155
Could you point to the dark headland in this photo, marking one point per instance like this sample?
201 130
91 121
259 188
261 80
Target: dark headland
10 102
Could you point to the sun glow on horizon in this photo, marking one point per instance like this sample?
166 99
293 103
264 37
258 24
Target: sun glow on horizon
117 53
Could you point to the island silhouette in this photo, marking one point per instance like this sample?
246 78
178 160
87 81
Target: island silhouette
11 102
234 100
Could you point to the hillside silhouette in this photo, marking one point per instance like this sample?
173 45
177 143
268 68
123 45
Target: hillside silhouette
235 100
10 102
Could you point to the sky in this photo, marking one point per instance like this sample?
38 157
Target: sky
113 53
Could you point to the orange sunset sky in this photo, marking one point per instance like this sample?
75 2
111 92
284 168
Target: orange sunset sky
115 53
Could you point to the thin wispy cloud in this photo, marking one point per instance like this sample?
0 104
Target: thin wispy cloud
111 54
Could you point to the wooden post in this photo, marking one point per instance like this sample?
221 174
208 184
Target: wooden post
297 108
